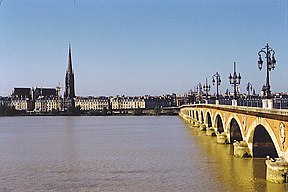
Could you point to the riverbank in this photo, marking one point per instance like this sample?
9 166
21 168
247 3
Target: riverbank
95 113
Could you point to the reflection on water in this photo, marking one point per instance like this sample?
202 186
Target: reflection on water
120 154
236 174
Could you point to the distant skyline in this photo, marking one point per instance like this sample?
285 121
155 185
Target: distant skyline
138 47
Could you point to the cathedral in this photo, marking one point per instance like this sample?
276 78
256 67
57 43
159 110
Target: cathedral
69 93
69 79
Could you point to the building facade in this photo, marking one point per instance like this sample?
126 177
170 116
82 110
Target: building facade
125 102
92 103
44 105
22 104
44 93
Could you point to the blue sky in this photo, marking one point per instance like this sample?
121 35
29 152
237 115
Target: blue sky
137 47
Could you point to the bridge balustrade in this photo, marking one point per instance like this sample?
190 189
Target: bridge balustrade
225 101
211 101
250 102
254 131
280 103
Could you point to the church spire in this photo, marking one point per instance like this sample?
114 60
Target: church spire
69 78
70 60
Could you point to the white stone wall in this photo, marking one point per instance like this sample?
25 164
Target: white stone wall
88 104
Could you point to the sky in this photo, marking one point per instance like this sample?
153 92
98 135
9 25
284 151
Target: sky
139 47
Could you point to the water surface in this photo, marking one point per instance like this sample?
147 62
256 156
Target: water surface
120 154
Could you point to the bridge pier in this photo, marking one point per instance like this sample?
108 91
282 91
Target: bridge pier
257 131
234 102
202 127
191 121
277 170
222 138
241 149
210 131
196 123
267 104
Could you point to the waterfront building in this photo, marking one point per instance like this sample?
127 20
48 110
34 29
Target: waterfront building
44 105
44 92
141 102
22 93
45 99
21 99
52 104
92 103
181 100
2 101
40 105
125 102
22 104
159 101
5 101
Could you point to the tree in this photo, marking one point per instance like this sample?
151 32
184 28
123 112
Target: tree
104 111
157 110
72 111
2 109
7 110
137 111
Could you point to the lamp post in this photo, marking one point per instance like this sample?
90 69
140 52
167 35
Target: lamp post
249 88
199 91
216 79
235 80
190 96
206 88
270 62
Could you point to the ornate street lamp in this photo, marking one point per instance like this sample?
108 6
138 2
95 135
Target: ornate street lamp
216 79
189 96
270 62
206 88
235 80
249 88
199 91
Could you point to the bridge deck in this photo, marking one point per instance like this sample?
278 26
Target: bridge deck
277 114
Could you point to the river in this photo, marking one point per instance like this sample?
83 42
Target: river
120 154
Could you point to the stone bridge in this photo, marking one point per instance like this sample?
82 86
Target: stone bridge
254 132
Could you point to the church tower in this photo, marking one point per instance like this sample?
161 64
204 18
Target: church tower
69 79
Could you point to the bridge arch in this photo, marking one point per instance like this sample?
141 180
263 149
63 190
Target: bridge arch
262 140
234 128
201 116
219 123
252 122
197 115
208 119
235 131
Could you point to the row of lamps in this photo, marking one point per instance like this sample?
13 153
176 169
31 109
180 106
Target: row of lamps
235 79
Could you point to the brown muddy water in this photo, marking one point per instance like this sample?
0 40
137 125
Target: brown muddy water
120 154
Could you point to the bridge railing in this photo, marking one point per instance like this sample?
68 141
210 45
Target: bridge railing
211 102
250 102
225 102
278 103
240 102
